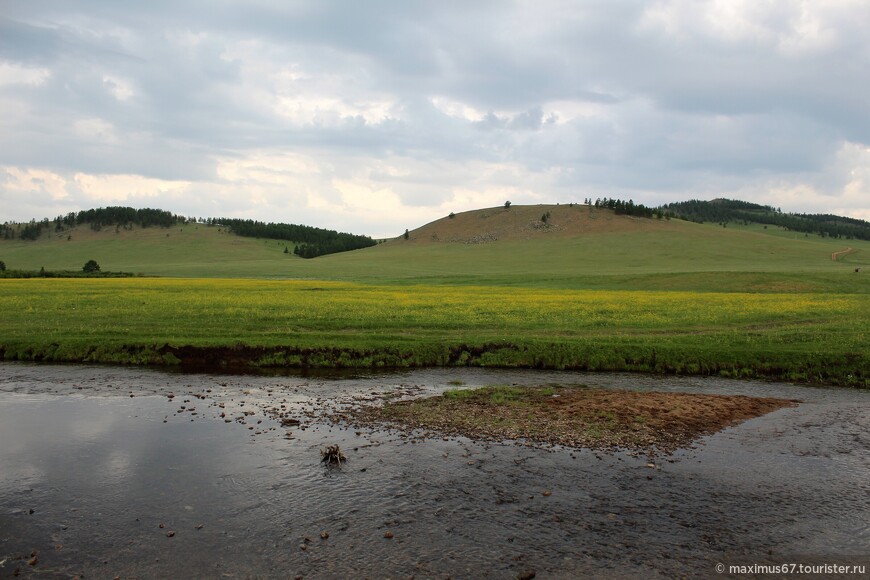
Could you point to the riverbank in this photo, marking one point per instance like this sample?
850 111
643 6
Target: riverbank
255 324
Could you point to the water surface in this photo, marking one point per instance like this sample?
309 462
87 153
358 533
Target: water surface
94 460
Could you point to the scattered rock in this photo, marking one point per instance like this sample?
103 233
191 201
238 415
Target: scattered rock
388 535
547 493
170 534
324 535
527 575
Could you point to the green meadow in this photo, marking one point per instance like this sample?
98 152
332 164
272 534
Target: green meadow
665 297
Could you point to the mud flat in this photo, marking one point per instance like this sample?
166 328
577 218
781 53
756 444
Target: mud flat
109 472
580 417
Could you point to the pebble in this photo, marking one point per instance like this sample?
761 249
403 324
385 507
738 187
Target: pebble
388 535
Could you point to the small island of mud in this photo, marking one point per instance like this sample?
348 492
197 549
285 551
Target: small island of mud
581 417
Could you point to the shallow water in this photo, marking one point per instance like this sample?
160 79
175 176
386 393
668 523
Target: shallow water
102 456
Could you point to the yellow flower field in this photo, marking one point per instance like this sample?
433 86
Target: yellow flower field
78 313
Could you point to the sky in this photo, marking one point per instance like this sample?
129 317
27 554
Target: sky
374 116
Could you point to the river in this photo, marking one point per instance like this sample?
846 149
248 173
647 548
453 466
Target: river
125 472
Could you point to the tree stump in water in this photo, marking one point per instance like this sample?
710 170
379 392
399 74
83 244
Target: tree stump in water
332 454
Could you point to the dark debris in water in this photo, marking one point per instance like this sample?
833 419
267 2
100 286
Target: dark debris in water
332 455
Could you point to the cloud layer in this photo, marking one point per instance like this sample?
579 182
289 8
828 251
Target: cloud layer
373 117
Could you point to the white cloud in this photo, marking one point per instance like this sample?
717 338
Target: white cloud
456 109
27 181
267 168
274 79
117 188
119 88
324 110
16 74
792 28
95 130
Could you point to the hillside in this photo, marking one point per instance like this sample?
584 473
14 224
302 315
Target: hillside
577 247
725 211
583 248
190 250
527 222
307 241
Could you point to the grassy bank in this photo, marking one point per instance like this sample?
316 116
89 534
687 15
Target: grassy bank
817 337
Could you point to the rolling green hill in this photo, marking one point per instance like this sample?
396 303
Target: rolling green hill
182 250
576 247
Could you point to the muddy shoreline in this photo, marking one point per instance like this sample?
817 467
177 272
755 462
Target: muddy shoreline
247 359
649 423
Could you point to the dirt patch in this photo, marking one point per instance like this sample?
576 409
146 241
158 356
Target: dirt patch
525 222
574 416
837 255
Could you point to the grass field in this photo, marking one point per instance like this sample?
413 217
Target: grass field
798 336
604 292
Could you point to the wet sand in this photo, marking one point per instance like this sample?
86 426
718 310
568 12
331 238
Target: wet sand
101 470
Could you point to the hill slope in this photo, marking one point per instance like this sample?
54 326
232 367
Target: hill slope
582 247
577 247
527 222
190 250
733 211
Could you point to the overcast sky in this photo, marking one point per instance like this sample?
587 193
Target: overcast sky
376 116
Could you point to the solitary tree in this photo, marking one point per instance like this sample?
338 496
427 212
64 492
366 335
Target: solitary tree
90 267
407 234
507 204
